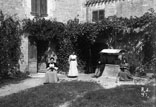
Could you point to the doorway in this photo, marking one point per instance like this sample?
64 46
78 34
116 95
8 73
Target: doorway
42 47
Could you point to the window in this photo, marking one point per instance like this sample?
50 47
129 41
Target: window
98 15
95 16
39 8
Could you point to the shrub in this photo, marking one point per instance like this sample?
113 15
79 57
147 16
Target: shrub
9 46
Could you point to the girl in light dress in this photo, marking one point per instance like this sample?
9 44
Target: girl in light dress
73 70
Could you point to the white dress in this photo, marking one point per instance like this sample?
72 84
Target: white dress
73 71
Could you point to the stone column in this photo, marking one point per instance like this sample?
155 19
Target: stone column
23 62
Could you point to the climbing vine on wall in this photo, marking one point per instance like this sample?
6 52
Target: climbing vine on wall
129 34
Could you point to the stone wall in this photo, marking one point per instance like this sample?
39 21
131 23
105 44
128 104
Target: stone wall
13 7
122 8
70 9
63 10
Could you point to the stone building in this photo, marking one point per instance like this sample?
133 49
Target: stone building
60 10
64 10
98 9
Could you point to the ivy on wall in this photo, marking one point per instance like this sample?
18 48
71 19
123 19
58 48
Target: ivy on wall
123 33
136 35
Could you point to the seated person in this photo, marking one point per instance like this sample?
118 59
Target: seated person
124 74
99 69
52 66
51 74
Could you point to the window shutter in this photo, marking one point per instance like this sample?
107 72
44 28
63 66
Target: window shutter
95 16
33 7
43 8
38 7
101 15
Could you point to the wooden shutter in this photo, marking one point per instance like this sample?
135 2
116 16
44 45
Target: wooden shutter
101 15
43 8
35 7
39 8
95 16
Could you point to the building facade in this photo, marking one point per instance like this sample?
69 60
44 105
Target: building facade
84 10
98 9
60 10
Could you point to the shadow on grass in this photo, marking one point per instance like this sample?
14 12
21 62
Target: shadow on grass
10 80
122 96
49 95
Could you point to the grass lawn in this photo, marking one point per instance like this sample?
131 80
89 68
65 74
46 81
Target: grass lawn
123 96
49 95
93 95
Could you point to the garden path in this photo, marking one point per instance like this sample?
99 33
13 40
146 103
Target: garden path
34 81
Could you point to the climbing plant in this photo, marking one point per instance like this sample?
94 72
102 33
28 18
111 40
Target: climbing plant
9 47
129 34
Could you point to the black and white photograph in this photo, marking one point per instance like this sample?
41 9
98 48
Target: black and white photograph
77 53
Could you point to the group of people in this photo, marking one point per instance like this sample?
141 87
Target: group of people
52 69
123 75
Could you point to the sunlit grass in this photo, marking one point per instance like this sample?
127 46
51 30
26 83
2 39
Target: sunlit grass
123 96
49 95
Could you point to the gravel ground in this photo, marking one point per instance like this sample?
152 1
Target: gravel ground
25 84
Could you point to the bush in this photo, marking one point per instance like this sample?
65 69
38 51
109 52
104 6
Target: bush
9 46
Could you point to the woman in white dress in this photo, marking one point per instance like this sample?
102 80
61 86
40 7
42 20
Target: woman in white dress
73 71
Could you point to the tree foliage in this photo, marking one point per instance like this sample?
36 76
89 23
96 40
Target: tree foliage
9 46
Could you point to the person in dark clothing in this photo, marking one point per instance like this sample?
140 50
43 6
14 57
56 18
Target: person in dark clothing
100 67
51 74
52 65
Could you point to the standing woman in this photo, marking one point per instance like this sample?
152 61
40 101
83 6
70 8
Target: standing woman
73 71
